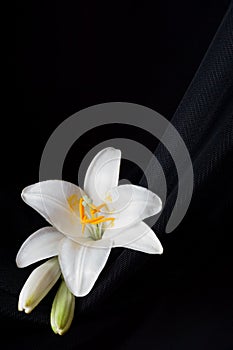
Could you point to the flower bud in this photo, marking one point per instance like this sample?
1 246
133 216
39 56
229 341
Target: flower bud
62 312
38 284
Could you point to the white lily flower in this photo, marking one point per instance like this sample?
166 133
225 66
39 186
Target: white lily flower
88 223
38 284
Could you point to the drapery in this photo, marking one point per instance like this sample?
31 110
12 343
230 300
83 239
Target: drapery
197 263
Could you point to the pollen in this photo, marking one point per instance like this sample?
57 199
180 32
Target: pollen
97 209
73 201
108 198
94 220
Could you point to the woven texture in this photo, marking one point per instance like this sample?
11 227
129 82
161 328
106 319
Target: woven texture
204 119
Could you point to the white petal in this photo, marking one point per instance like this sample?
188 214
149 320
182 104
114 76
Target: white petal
81 265
131 204
138 237
40 245
89 242
38 284
147 243
50 199
102 174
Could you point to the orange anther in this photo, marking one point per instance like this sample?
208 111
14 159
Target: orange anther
81 208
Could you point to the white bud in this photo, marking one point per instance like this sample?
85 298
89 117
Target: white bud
38 284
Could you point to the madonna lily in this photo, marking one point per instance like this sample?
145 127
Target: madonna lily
87 223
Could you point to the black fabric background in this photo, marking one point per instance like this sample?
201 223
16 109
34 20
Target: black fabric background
176 58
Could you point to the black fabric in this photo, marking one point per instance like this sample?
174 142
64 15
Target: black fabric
204 119
182 299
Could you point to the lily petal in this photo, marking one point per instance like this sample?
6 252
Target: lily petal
40 245
81 265
148 242
89 242
50 199
138 237
131 204
102 174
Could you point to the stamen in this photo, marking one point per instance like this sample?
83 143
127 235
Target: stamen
104 220
81 208
93 221
101 206
95 209
77 205
92 213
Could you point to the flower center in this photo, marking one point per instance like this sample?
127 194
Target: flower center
89 215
